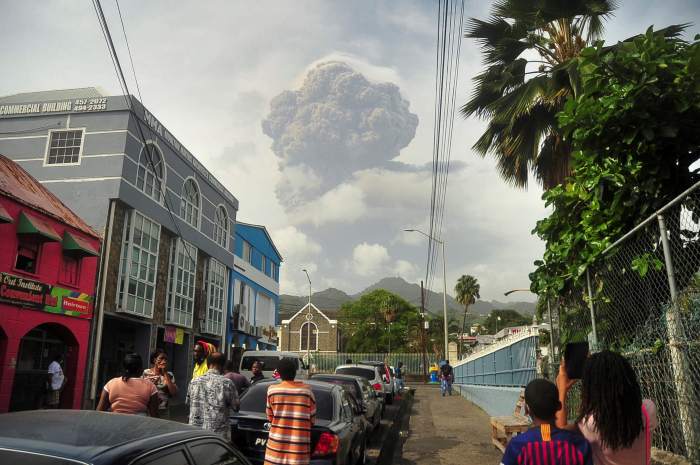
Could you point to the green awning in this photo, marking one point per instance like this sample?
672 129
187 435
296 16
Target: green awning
4 215
78 245
29 224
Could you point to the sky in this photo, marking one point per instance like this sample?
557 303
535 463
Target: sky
318 117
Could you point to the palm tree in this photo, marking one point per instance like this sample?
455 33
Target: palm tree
521 96
466 293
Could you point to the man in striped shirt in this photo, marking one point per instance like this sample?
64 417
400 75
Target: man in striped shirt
291 410
544 444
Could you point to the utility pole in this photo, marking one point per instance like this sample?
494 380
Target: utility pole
422 333
309 316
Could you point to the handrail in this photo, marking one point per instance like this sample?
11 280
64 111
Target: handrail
501 343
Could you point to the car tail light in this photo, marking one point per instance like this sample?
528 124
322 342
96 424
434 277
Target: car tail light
377 386
327 445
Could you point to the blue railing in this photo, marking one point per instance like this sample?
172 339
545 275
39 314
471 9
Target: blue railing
513 364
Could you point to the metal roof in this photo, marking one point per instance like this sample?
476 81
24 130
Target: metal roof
16 183
49 95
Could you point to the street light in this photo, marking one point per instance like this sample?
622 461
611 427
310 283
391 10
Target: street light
551 326
444 281
308 339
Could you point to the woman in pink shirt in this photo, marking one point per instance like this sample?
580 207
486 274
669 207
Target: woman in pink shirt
613 417
130 393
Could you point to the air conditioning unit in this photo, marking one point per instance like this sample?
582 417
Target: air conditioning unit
258 331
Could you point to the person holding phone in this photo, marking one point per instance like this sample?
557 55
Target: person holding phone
612 417
163 379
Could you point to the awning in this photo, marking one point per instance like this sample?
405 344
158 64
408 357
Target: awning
4 215
29 224
78 245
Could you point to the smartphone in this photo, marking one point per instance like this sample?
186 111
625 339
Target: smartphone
575 355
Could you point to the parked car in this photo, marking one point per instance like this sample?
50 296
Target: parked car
270 360
337 438
70 437
387 376
362 392
372 373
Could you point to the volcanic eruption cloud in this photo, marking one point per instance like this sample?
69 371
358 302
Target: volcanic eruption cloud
336 124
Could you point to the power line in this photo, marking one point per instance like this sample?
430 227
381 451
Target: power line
125 90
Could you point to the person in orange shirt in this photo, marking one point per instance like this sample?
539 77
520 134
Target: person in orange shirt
291 410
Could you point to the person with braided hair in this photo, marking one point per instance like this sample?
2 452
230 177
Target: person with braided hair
613 417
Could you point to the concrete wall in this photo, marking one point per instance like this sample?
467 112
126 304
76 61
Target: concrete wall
494 400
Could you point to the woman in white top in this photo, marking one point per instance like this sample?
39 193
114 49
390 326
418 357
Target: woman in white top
613 417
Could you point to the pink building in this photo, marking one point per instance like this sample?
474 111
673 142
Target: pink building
48 266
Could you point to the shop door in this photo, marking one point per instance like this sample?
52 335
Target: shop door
36 351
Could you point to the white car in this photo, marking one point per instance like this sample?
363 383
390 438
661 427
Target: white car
374 375
270 360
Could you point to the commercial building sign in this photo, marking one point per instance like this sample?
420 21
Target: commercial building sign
62 106
22 291
41 296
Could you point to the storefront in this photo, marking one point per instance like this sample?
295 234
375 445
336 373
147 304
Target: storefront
48 261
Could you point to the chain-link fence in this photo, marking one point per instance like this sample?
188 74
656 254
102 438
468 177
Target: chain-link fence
642 299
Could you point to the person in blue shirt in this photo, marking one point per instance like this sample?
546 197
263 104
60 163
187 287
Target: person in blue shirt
544 443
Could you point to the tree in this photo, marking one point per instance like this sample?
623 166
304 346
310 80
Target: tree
365 325
521 97
466 293
634 127
508 318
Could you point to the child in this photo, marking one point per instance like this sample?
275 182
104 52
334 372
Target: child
544 443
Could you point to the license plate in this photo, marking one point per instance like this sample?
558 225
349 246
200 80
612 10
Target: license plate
260 442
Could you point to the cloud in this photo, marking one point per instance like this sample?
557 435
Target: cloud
405 269
369 259
344 204
337 123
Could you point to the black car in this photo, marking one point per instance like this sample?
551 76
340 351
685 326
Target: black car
337 438
72 437
362 392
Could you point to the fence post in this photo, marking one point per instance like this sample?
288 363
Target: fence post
551 339
590 306
679 364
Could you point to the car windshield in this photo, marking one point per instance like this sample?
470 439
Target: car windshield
270 362
349 384
255 400
366 373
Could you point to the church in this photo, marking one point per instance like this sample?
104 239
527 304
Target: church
309 329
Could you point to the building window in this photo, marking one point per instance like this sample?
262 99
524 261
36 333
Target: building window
217 283
149 177
189 207
27 255
138 265
309 336
221 227
246 251
183 269
273 271
64 147
70 266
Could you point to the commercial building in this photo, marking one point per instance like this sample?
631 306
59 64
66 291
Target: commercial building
167 222
48 267
255 282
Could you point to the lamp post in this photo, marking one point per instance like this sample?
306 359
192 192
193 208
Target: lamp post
444 281
551 326
308 340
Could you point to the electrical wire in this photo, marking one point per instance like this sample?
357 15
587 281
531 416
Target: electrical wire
125 90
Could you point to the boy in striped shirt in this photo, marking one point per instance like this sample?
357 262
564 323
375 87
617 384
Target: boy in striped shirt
544 444
291 410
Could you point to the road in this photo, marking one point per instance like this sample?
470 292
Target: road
447 431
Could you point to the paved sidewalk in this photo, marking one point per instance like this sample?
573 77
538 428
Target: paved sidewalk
447 431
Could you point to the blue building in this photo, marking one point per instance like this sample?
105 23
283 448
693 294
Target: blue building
254 285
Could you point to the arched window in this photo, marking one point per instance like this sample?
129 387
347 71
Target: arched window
149 176
309 336
189 207
221 227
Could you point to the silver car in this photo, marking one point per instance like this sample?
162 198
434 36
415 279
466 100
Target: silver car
373 374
